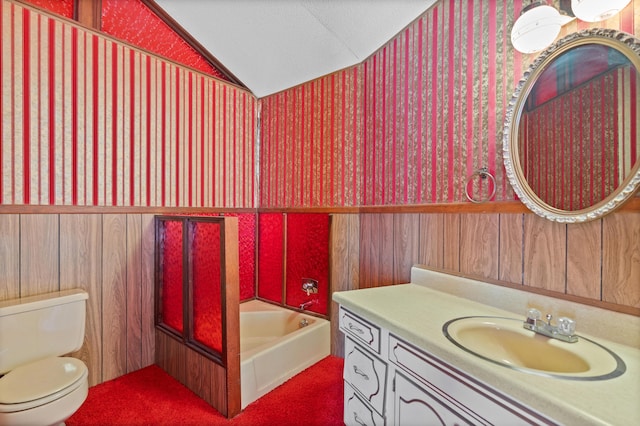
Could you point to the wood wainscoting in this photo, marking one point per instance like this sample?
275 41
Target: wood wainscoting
108 255
596 263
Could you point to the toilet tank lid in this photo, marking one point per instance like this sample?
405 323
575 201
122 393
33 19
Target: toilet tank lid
41 301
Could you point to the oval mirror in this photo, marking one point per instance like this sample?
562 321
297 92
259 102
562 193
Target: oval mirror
570 143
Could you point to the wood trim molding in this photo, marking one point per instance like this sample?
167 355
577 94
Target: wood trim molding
631 206
188 38
88 13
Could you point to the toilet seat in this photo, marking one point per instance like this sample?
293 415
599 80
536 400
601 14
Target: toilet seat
40 382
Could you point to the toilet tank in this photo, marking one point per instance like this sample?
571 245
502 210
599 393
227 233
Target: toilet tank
36 327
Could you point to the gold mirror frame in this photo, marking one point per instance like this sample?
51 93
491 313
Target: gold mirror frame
625 44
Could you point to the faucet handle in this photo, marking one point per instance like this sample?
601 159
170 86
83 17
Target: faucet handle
566 326
533 315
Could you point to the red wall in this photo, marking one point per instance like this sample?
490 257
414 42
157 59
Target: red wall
411 123
89 121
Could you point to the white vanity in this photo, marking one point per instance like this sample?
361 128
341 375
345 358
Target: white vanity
401 369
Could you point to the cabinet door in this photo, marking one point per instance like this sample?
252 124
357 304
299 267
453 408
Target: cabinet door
414 405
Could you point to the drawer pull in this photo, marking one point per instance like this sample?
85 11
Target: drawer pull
360 372
357 419
354 328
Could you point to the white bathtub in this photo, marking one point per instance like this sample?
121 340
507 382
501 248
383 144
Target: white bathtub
274 348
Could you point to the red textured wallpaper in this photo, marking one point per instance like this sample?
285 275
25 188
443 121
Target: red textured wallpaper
270 256
60 7
207 301
308 257
172 269
133 22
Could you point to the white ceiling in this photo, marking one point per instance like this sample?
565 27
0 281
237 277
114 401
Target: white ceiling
272 45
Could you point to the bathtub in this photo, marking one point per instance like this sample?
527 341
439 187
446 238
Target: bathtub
274 347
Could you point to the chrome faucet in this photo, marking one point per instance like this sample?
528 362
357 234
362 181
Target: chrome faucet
305 305
564 330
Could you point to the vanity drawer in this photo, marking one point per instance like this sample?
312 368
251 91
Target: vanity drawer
357 412
462 394
366 373
360 329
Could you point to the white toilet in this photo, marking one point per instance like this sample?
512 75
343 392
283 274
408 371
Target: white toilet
38 385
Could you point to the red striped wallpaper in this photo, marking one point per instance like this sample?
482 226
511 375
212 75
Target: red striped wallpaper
408 125
92 122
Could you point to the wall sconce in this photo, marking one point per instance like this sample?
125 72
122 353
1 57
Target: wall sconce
597 10
539 24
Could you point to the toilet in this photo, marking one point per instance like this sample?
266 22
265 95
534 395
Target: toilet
39 385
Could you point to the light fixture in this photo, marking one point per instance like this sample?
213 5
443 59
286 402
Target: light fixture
537 27
597 10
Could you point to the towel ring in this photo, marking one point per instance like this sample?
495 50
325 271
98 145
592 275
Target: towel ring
483 172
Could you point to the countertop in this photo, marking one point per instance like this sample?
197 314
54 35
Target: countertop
416 312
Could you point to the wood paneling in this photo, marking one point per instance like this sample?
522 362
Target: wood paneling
584 259
431 240
77 251
621 259
545 253
39 251
81 267
511 250
479 245
9 256
134 292
451 239
406 245
147 278
344 255
114 296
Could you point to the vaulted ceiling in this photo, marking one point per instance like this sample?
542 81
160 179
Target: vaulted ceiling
272 45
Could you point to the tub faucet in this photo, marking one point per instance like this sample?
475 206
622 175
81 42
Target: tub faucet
564 330
305 305
309 285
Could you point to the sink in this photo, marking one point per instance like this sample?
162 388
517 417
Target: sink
505 342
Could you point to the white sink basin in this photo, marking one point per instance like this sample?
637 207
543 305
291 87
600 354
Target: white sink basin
505 342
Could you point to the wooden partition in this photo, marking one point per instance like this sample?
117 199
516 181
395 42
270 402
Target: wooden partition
213 376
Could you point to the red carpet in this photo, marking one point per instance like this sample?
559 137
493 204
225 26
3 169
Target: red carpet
152 397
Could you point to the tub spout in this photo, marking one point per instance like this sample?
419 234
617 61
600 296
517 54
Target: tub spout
306 305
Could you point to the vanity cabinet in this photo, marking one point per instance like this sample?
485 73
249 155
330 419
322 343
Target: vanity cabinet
390 381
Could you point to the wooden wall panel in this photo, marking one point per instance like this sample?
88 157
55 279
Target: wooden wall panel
431 242
114 292
9 256
621 259
584 259
147 282
511 250
94 258
134 292
479 245
545 253
344 254
451 239
406 245
39 252
81 267
370 246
